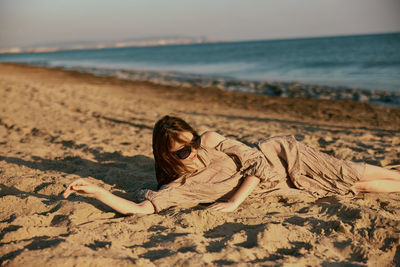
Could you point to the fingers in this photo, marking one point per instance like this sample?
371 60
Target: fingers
216 206
219 208
212 206
68 191
72 187
80 188
222 206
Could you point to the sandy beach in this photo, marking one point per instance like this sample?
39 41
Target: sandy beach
57 125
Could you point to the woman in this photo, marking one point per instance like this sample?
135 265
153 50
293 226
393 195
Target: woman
211 168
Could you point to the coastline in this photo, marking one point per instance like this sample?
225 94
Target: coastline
295 102
291 89
285 89
57 125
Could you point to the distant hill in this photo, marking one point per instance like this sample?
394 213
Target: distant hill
76 45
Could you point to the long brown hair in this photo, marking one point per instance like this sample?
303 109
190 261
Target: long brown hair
166 131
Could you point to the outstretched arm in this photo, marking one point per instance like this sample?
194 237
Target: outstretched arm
119 204
249 183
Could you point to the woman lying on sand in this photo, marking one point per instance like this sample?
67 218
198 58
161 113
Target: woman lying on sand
208 168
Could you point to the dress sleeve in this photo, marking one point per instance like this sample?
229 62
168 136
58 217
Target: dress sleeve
168 196
250 160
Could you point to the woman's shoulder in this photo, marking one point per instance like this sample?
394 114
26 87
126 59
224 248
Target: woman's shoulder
211 139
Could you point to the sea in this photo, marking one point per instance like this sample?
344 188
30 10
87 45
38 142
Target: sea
361 67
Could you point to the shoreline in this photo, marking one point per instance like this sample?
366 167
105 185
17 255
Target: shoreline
342 111
284 89
291 89
58 125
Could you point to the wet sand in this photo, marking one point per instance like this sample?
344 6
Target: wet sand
58 125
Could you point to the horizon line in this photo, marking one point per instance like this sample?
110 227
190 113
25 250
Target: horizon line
165 42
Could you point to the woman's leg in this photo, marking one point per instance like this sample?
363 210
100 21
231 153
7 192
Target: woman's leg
372 173
377 186
378 180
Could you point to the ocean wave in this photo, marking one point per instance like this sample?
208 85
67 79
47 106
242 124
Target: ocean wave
380 64
325 64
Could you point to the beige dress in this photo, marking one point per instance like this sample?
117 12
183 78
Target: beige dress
273 160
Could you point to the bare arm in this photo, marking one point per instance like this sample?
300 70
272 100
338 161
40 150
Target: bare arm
124 206
249 183
212 139
119 204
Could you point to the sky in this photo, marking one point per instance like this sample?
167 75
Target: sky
25 23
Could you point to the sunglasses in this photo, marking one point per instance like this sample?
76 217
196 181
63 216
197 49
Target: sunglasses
185 151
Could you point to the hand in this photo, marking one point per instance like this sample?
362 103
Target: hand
82 187
223 206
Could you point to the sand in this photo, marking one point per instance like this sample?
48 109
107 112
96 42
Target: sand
58 125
